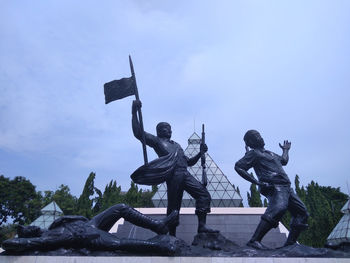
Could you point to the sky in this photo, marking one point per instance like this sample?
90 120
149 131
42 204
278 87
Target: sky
280 67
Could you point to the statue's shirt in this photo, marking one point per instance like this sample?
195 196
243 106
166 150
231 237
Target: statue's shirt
267 166
165 146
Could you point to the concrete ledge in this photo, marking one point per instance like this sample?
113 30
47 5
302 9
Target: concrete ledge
57 259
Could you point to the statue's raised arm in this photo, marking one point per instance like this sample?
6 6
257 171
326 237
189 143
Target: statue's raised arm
136 125
285 148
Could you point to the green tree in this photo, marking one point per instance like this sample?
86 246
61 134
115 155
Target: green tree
98 202
85 203
65 200
266 203
111 195
146 197
323 204
5 211
133 196
46 197
7 231
321 221
254 198
239 192
18 200
299 191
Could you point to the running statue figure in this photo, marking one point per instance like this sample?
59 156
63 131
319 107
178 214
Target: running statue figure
79 232
171 167
275 185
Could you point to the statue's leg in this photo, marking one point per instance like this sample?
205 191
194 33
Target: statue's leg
278 203
110 242
106 219
174 194
202 197
139 219
299 218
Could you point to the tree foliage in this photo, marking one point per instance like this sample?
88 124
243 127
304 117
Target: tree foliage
254 198
111 195
65 200
323 205
85 201
7 231
18 200
239 193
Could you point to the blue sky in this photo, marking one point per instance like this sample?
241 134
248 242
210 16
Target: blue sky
280 67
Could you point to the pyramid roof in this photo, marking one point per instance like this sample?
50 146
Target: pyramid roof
222 192
346 207
341 232
48 214
52 207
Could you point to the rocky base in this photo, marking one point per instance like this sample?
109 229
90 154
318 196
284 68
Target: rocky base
203 245
213 241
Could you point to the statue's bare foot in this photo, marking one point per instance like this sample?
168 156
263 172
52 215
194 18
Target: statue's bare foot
257 245
205 229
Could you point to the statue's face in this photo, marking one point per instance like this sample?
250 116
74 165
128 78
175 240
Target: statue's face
259 140
164 131
255 140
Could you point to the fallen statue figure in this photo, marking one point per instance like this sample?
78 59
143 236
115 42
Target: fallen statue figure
79 232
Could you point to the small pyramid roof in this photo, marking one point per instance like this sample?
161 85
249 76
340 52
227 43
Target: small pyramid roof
49 214
346 207
52 207
341 232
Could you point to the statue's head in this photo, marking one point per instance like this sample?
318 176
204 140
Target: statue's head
163 130
253 139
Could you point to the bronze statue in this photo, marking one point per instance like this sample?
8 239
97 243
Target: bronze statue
275 185
79 232
171 167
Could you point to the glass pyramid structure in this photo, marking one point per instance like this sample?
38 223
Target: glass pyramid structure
48 214
222 192
341 232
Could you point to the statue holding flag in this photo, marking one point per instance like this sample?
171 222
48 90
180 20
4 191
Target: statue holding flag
171 166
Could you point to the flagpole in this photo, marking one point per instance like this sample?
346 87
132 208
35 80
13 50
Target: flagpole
204 172
143 139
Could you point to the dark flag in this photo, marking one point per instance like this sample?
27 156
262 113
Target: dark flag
118 89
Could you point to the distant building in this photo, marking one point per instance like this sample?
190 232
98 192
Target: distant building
222 192
340 236
48 214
